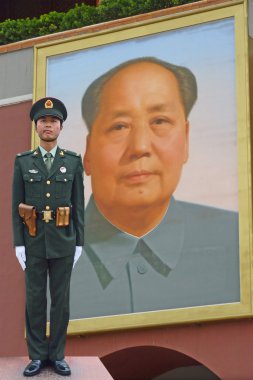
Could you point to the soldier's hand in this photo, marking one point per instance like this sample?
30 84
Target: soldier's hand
20 254
78 253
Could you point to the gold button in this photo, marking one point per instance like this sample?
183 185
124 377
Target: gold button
48 182
47 207
48 195
47 221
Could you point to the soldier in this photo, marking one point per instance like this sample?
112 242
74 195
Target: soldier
48 228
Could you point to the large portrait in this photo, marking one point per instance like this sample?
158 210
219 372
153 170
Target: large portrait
159 113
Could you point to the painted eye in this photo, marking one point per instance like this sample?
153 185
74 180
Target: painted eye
160 120
119 127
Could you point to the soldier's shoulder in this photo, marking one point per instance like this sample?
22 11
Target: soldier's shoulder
71 153
26 153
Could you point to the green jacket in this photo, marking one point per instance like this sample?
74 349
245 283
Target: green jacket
62 186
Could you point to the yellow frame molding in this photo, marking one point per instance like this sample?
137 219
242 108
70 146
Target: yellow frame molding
238 10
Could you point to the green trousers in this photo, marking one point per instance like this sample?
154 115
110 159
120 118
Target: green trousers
58 271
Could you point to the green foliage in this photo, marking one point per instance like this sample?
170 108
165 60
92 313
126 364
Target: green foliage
79 16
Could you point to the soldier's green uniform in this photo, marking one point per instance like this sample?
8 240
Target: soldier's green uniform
52 250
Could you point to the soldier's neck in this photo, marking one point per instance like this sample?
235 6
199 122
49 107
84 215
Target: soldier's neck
48 145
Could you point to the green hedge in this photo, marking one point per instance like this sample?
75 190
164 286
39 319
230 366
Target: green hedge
80 15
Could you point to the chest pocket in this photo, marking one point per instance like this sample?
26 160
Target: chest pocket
33 186
63 183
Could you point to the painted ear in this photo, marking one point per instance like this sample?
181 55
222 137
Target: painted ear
86 158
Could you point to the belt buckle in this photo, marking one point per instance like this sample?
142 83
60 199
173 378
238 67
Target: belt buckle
47 215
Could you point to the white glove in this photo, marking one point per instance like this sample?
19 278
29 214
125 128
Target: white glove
20 254
78 253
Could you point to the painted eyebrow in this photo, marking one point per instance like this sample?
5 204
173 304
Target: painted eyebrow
153 108
160 107
120 113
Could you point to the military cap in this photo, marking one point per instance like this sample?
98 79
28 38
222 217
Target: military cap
48 107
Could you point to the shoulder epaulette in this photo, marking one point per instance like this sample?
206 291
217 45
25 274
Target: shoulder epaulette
71 153
25 153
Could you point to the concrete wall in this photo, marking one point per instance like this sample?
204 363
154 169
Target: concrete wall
16 75
14 137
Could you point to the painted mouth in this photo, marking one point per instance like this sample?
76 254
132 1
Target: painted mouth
138 176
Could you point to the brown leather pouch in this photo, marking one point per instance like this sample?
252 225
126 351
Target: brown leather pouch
28 214
62 216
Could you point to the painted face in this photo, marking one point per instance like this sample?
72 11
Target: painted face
48 128
139 140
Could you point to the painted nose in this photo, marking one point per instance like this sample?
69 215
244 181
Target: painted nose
140 141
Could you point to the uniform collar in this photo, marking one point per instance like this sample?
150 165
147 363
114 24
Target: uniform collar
38 160
113 248
44 151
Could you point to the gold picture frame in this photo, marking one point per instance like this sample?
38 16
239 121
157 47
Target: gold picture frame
51 53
